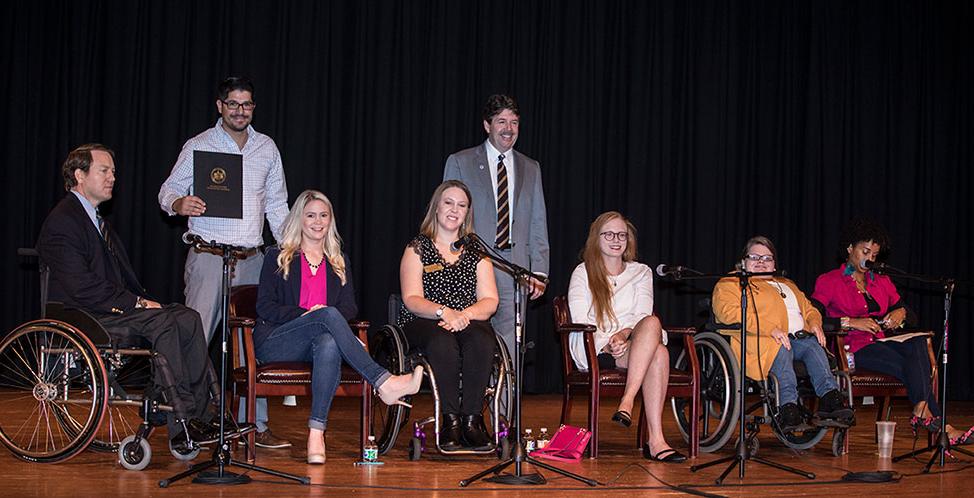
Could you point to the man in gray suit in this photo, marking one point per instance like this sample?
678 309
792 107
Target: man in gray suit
508 205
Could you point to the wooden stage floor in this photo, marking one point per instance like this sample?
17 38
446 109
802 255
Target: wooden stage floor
619 465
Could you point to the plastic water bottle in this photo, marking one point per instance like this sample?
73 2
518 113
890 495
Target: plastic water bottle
850 359
370 453
543 438
530 444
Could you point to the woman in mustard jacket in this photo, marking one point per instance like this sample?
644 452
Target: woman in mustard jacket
782 326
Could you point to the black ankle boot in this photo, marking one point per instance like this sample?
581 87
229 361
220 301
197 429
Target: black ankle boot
474 432
450 432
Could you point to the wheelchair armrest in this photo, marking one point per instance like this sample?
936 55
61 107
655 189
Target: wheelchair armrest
567 328
240 322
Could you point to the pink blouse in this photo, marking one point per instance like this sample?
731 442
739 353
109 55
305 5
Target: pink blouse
838 293
314 288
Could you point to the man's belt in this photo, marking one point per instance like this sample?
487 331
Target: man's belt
244 254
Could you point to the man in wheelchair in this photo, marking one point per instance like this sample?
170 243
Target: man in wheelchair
782 327
90 271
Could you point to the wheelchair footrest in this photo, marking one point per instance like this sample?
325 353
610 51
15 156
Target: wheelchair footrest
838 424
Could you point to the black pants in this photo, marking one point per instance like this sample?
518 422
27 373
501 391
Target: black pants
469 352
907 361
183 371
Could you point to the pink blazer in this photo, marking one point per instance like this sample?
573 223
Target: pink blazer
838 293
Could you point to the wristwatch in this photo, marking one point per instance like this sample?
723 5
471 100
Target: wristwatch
439 311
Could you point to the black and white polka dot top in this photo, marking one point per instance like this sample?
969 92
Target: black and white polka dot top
453 284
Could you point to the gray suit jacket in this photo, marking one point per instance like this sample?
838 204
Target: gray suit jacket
529 231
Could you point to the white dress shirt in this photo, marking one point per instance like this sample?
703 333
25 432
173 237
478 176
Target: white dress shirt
264 187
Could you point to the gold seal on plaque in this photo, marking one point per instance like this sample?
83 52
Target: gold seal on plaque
218 175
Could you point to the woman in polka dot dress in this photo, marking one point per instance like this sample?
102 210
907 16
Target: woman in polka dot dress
448 297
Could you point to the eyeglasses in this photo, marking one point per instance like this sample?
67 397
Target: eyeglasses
233 105
764 258
610 236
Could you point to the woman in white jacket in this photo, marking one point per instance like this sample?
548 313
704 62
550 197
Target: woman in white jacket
612 291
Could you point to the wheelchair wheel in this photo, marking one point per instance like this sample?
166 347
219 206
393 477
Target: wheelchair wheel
500 387
719 401
182 455
838 442
388 348
134 456
53 391
803 438
128 376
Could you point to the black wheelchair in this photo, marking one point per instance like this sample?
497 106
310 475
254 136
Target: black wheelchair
720 403
389 347
67 384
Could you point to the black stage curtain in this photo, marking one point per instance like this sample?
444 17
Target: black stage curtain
706 122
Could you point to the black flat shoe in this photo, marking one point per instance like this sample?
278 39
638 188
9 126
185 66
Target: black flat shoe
622 418
668 455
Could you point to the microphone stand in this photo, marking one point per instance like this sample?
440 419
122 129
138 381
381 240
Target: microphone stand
221 454
743 454
518 454
942 448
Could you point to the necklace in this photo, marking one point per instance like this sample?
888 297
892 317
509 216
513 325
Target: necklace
312 265
780 290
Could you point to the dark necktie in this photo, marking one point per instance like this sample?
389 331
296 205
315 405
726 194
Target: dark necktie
503 238
106 232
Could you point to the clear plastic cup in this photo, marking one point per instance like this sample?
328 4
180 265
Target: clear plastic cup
884 438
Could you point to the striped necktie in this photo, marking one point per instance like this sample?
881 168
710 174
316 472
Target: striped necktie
105 230
503 238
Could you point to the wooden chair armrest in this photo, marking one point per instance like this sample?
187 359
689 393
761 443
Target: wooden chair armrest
568 328
680 330
835 333
361 329
237 322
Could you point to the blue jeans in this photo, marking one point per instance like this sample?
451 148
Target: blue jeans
322 338
811 353
907 361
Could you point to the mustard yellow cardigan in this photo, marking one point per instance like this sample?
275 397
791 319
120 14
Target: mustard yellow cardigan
764 306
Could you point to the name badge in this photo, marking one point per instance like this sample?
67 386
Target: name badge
432 268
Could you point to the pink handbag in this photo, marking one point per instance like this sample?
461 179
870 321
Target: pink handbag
567 445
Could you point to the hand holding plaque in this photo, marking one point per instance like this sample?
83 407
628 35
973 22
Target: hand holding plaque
218 181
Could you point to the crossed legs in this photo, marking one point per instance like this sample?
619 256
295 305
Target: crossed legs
648 369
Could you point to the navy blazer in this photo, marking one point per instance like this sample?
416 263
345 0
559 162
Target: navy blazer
278 299
83 272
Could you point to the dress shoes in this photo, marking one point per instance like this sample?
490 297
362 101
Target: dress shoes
450 434
474 432
201 432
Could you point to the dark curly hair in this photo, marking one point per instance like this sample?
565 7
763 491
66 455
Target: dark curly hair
861 229
497 103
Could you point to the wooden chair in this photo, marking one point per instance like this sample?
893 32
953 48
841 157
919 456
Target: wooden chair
282 378
881 386
597 382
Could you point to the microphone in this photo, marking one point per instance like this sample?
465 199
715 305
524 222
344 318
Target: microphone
665 270
872 265
462 241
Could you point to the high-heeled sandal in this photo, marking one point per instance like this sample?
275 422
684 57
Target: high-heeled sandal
931 424
963 439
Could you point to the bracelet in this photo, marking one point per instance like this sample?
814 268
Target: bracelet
844 322
140 302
